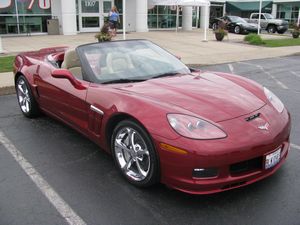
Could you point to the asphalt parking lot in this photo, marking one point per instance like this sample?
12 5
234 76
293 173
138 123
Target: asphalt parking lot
86 180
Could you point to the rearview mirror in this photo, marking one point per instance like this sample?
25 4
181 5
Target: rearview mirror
66 74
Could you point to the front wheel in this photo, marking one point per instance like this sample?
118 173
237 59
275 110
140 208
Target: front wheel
271 29
237 29
27 103
134 154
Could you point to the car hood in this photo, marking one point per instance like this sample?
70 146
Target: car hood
279 21
207 95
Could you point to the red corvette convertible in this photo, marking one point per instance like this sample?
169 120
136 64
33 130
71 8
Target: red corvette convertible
198 132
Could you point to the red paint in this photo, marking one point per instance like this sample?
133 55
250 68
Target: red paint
223 99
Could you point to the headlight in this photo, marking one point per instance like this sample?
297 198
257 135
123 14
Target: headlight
195 128
275 101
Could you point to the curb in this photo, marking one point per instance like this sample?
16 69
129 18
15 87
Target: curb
7 90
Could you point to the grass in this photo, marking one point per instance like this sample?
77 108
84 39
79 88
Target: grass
282 42
6 63
255 39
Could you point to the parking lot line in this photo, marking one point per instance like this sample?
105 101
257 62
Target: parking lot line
61 206
295 146
279 83
294 73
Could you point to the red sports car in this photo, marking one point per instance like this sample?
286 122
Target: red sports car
197 132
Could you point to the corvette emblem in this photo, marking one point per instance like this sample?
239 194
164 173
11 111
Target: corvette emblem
264 127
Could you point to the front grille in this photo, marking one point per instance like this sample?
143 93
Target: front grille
246 166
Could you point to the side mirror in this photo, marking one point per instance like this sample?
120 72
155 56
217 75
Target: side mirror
66 74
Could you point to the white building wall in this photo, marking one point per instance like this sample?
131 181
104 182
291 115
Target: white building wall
56 12
65 11
274 10
68 15
204 15
187 18
131 15
141 16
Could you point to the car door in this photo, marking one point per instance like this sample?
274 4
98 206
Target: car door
59 97
263 22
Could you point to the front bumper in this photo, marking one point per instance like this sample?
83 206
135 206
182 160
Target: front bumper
242 144
250 29
282 28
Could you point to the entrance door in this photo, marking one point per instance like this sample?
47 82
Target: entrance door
92 13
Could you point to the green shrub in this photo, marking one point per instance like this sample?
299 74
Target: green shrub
254 39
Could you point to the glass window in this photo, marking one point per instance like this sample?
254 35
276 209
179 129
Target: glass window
116 61
6 8
162 17
8 25
34 7
90 6
107 6
90 22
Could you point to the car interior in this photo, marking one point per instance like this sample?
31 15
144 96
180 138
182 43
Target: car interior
72 63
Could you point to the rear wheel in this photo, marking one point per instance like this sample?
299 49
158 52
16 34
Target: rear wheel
237 29
134 154
271 29
27 103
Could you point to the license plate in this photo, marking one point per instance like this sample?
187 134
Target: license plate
272 159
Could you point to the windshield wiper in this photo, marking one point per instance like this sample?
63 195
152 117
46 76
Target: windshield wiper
123 81
164 75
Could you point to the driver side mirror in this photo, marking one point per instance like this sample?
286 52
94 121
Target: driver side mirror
66 74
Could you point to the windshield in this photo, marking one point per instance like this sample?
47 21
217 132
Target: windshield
135 60
268 16
236 19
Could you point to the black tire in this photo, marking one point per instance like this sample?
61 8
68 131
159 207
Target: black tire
237 29
280 32
271 29
26 100
140 135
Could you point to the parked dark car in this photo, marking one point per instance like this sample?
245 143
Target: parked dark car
234 24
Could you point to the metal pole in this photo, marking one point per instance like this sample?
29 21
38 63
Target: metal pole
1 48
259 16
205 23
17 12
124 19
197 17
177 18
298 21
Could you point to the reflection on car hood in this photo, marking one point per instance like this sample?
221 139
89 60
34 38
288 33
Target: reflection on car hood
209 95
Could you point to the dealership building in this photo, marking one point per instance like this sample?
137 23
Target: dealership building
75 16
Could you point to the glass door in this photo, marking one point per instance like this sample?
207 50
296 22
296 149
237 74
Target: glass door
92 13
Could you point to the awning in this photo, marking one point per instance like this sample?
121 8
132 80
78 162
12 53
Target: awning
180 2
247 6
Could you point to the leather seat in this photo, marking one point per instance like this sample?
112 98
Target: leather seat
72 63
117 62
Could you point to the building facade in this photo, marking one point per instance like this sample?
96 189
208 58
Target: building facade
24 16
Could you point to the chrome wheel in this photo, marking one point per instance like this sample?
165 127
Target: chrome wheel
23 96
132 154
237 29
